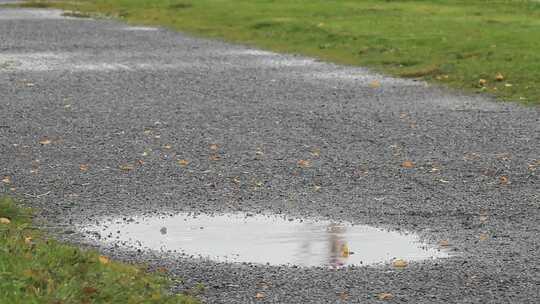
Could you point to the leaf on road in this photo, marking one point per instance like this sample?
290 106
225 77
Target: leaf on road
28 240
345 252
317 188
483 237
6 180
407 164
215 157
316 152
45 141
4 221
167 147
400 263
89 290
375 84
385 296
126 167
214 147
503 180
83 167
444 243
304 163
259 295
183 162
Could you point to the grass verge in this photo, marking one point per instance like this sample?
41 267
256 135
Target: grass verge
35 269
490 46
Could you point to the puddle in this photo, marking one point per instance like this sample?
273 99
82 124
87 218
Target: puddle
264 239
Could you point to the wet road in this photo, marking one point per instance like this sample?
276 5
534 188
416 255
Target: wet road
98 118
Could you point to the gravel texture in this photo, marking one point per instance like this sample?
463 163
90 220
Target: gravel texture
96 114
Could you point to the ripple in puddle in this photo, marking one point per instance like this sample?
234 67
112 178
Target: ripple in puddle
264 239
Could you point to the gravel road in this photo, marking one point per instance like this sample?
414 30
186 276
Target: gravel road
95 116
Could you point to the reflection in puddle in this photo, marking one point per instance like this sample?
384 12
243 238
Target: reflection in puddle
264 239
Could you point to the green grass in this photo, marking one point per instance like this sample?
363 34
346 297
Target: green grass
35 269
455 42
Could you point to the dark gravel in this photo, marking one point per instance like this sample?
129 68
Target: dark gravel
103 93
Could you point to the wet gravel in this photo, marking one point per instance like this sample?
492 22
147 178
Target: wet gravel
96 115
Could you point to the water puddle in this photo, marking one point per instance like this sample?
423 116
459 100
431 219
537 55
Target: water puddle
264 239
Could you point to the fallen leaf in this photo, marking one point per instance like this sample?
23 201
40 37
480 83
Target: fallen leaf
4 221
399 263
482 82
499 77
83 168
345 252
503 180
444 243
259 183
343 296
45 141
483 218
317 188
214 157
259 295
183 162
407 164
214 147
28 240
385 296
375 84
508 85
162 270
104 260
167 147
483 237
89 290
304 163
126 167
316 152
6 180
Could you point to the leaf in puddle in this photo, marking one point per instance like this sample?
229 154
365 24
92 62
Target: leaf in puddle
259 295
126 167
304 163
407 164
385 296
6 180
4 221
45 141
183 162
83 167
104 260
400 263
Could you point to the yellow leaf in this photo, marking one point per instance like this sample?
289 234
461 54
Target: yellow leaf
126 167
104 260
6 180
304 163
407 164
345 252
375 84
385 296
259 295
483 236
45 141
504 180
499 77
28 240
316 152
400 263
4 221
183 162
482 82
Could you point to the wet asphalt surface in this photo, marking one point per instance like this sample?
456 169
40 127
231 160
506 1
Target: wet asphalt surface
116 107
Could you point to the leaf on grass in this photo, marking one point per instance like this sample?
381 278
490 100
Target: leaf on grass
482 82
6 180
400 263
4 221
316 188
28 240
104 260
89 290
499 77
385 296
304 163
407 164
45 141
183 162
